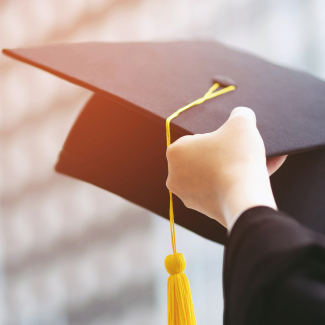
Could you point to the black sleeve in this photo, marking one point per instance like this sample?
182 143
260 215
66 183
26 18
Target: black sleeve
274 271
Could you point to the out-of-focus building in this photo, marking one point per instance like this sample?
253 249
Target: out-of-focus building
75 254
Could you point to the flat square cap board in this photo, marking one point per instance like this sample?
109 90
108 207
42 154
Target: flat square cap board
118 141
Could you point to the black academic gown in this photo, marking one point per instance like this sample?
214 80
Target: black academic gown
274 271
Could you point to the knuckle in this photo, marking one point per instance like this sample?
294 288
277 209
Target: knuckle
241 122
171 151
187 204
243 115
171 185
240 117
243 111
174 150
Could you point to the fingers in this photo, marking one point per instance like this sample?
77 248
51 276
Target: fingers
244 112
273 164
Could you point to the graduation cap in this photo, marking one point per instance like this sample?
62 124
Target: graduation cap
119 139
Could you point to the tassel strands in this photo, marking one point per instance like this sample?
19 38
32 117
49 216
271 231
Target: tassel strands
179 298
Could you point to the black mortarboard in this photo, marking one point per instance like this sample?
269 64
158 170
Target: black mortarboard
118 141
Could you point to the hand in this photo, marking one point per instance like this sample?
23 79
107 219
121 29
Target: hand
223 173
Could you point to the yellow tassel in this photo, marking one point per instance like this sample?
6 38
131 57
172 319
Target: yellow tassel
179 298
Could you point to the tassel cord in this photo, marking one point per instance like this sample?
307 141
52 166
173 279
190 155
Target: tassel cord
179 298
210 94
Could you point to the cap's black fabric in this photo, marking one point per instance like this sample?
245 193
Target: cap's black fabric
156 79
118 142
299 188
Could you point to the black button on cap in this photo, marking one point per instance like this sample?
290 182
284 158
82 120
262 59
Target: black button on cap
224 81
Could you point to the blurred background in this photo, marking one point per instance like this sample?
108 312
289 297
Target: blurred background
71 253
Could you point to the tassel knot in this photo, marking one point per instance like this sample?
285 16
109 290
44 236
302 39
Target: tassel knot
175 263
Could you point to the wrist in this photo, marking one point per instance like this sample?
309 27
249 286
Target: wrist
246 195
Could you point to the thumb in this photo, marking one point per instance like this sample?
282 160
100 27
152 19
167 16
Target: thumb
244 112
